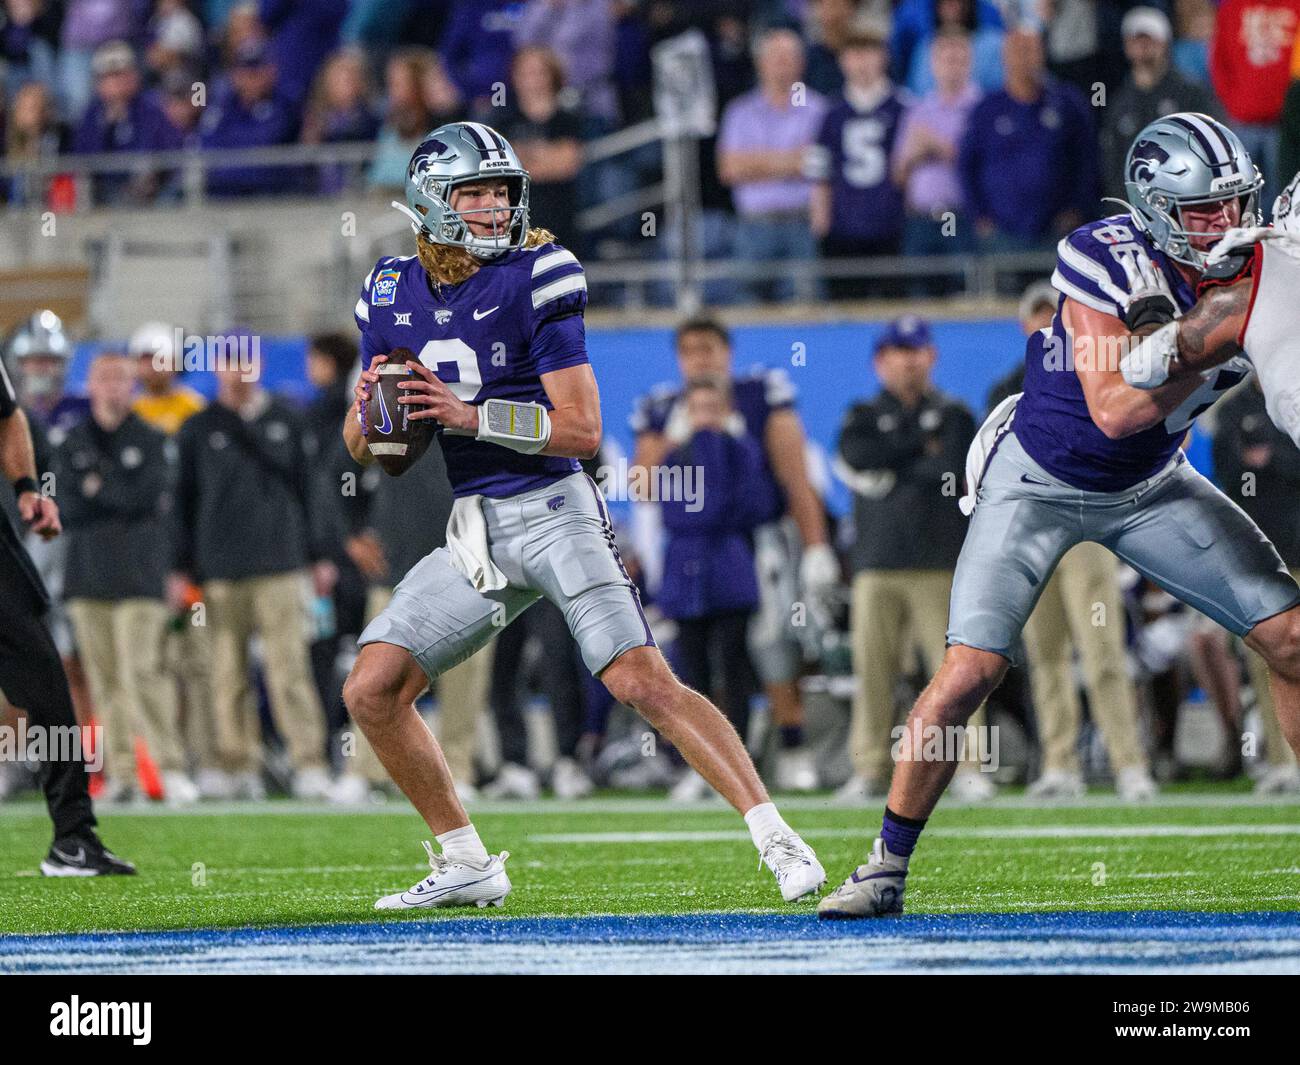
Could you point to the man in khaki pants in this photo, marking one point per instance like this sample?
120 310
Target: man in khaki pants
1080 608
114 478
165 404
245 529
903 454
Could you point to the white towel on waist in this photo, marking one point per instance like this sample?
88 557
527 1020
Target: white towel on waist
467 543
977 456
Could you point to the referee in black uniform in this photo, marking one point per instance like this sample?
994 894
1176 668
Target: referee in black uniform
31 674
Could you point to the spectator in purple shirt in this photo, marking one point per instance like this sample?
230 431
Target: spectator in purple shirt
1029 157
761 148
925 155
581 33
87 25
856 209
123 118
251 113
478 45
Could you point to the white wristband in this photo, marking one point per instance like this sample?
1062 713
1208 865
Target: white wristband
522 427
1146 366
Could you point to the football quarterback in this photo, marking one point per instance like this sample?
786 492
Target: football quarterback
492 310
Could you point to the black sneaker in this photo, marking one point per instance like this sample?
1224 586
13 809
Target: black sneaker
84 855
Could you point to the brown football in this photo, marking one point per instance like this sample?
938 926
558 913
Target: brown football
396 442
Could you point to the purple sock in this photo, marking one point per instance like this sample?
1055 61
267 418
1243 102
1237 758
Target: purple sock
900 833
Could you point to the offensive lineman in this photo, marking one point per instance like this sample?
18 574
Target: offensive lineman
493 310
1080 456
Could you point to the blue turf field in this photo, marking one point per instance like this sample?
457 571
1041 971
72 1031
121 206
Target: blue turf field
1139 942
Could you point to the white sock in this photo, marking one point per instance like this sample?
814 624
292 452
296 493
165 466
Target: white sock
463 845
763 820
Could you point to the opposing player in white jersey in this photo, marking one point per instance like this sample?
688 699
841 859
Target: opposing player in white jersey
493 310
1249 303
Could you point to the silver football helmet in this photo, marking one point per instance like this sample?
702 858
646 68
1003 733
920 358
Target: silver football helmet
457 154
36 354
1184 159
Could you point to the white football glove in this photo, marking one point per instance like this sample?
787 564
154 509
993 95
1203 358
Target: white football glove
819 571
1143 280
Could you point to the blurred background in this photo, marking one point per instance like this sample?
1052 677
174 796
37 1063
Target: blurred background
834 221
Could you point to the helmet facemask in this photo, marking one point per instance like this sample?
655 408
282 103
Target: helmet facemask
1163 219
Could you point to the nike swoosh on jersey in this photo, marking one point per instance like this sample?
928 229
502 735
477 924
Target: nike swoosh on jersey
480 315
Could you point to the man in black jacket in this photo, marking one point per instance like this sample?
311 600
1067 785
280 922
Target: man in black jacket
115 479
244 530
903 453
31 675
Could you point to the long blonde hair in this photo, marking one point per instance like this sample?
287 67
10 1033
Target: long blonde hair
447 265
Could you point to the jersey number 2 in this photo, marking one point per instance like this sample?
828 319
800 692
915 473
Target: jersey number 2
456 365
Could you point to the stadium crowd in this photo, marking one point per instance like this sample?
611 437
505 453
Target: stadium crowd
846 128
220 559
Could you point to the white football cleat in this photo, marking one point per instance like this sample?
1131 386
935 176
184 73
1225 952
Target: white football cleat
1279 780
1057 784
1134 784
857 789
248 785
793 863
350 790
215 784
972 785
690 787
179 789
796 770
454 883
514 782
872 890
312 784
568 780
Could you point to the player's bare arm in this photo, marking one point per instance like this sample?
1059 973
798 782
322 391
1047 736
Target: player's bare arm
1118 409
575 417
18 462
1207 334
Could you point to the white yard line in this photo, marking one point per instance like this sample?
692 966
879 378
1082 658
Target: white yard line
1000 832
661 807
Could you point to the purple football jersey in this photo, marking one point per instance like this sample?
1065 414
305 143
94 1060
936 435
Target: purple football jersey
490 337
755 396
1052 421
